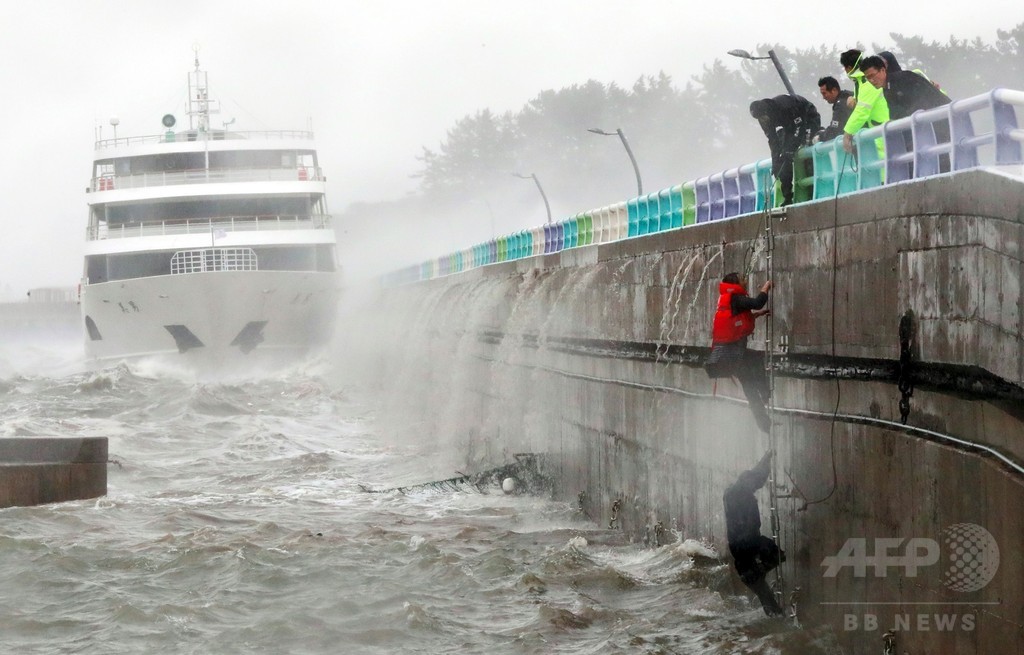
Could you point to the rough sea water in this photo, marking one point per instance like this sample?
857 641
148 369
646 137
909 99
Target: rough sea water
237 521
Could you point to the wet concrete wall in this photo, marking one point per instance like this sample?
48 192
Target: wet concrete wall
39 470
594 357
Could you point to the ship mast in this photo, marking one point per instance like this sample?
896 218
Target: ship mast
200 107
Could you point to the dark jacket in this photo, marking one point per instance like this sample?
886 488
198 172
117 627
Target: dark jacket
792 121
906 92
742 516
840 114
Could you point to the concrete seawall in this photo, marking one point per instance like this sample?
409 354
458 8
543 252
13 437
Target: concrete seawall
39 470
594 356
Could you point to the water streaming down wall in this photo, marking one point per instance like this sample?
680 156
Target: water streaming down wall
593 356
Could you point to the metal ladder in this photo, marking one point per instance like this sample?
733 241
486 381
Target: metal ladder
769 363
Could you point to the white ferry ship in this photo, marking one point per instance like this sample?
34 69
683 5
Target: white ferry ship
208 245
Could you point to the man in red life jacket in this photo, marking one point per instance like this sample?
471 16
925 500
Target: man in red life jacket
734 322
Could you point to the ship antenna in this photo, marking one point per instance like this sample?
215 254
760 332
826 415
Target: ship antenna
199 104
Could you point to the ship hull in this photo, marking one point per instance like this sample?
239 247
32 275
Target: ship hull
220 320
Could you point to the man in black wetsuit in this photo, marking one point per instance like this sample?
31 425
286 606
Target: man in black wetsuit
754 555
789 122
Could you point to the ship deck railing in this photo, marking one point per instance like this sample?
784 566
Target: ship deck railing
198 136
210 226
113 182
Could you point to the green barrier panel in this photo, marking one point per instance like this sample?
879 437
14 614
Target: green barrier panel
803 176
689 203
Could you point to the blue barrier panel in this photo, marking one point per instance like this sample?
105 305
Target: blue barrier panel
965 141
702 188
573 236
675 206
1007 132
643 221
716 196
932 148
824 169
833 169
899 150
731 192
765 184
846 168
559 237
870 158
633 217
549 239
664 210
747 188
653 212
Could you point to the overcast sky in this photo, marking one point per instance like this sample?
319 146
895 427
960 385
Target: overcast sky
378 79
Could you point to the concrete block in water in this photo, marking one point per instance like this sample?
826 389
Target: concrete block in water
39 470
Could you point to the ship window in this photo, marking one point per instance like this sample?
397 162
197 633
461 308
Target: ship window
213 259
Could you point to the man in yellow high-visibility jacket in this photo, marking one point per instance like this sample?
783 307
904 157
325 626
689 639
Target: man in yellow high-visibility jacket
871 108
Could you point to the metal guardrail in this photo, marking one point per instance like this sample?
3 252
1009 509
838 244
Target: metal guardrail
206 176
190 136
208 226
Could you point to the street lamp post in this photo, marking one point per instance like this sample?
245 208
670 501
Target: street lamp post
543 195
743 54
629 151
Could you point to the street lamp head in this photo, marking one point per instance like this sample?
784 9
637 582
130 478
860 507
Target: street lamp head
743 54
601 132
525 177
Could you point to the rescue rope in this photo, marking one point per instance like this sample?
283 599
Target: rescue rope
835 369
